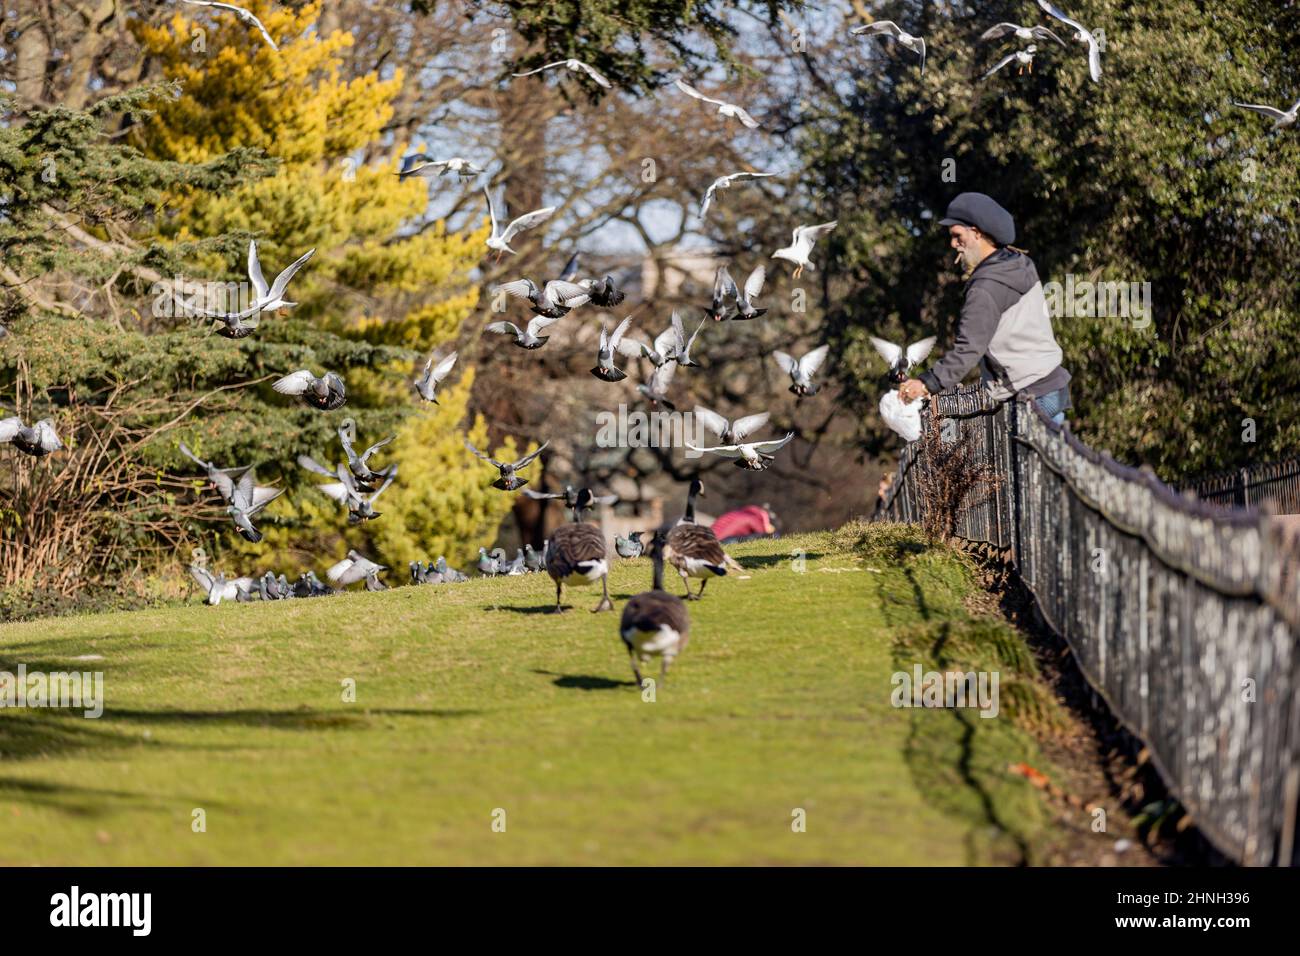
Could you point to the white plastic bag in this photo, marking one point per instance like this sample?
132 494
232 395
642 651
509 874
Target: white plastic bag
905 419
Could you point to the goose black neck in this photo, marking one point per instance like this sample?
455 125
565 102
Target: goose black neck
658 555
690 506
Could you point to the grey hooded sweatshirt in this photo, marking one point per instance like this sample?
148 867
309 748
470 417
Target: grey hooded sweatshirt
1005 327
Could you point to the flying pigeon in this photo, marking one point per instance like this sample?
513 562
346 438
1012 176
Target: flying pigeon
508 481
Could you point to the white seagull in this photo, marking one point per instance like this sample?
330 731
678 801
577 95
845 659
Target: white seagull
1083 35
724 182
1021 33
1024 57
239 12
730 110
755 456
1283 119
577 66
427 384
892 29
266 298
799 250
417 164
500 242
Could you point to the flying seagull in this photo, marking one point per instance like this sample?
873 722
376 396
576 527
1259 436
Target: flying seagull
755 456
892 29
725 182
1283 119
1083 35
266 299
427 384
1024 57
802 371
508 481
38 440
326 393
902 362
801 247
730 110
417 164
1021 33
239 12
500 242
576 66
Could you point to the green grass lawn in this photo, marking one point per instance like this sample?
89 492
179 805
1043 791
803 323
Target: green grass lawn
468 700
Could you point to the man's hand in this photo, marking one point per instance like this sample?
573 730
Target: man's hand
911 390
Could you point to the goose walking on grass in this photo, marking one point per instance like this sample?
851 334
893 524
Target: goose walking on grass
240 12
754 455
509 481
528 337
38 441
575 66
1035 33
1083 35
730 432
554 300
802 370
801 246
356 567
729 110
888 28
694 550
499 242
608 348
1281 120
726 182
421 165
427 384
576 554
900 361
655 623
326 393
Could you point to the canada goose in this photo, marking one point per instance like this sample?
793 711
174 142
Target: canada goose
577 552
655 622
509 481
694 550
326 393
37 441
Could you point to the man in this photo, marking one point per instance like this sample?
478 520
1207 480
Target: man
1004 323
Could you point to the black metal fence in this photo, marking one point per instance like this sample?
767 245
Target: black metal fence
1277 482
1183 615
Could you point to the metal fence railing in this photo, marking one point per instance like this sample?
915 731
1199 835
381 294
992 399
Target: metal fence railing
1277 482
1183 615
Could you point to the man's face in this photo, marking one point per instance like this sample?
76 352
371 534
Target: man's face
969 244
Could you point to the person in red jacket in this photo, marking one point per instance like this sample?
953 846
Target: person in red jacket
751 521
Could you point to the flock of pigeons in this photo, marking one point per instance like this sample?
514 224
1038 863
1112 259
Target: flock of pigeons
654 623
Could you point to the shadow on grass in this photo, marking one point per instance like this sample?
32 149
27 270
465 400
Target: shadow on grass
753 561
302 719
585 681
